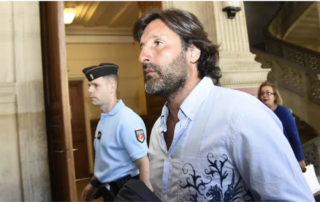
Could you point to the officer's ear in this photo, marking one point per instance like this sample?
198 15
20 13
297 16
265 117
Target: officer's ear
112 84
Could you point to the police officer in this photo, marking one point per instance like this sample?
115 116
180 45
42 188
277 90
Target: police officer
120 138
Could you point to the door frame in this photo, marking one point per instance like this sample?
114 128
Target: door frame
65 101
81 78
57 95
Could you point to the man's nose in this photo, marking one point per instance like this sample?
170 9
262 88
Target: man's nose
90 90
145 55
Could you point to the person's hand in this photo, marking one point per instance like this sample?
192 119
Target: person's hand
88 192
302 165
149 185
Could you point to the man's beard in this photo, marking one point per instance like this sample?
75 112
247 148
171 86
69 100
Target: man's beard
169 79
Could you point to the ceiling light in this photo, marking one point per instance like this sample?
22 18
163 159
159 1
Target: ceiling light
69 14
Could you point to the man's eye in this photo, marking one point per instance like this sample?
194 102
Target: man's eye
158 43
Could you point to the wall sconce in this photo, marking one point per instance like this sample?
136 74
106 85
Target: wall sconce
69 14
231 7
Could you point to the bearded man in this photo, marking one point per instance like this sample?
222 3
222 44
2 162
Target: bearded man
209 143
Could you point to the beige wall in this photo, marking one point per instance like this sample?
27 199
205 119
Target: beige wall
142 102
131 84
80 56
24 169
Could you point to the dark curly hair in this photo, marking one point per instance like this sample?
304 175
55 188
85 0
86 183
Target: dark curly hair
191 32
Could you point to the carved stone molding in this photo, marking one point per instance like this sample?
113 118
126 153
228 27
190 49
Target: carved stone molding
311 155
83 39
237 81
7 89
291 80
265 63
314 89
271 75
314 62
294 55
93 31
284 74
243 79
5 99
76 77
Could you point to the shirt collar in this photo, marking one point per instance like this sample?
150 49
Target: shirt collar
194 100
114 110
192 103
164 117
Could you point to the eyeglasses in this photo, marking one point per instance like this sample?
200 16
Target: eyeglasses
268 93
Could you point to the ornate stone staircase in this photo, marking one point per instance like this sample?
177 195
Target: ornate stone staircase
295 69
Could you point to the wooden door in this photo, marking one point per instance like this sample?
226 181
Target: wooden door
78 125
63 187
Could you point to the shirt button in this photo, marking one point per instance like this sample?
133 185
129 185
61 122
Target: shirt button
168 158
165 197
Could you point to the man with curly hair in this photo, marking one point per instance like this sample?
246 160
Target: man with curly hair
210 143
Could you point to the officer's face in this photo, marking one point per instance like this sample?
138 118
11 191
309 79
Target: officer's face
164 61
99 91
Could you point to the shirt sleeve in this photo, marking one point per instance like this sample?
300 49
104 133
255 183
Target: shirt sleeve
134 139
264 157
290 127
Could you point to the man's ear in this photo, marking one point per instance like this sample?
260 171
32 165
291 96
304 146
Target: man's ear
194 53
113 85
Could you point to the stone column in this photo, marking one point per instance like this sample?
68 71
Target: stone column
239 69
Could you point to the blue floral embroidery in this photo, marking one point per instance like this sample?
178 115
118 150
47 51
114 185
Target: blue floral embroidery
195 184
214 168
234 190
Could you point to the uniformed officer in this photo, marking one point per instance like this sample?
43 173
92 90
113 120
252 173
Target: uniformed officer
120 138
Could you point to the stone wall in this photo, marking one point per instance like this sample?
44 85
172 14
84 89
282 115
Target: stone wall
24 167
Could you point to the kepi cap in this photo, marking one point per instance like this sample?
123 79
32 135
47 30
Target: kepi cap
103 69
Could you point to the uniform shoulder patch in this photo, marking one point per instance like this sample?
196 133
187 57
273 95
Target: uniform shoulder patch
140 135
